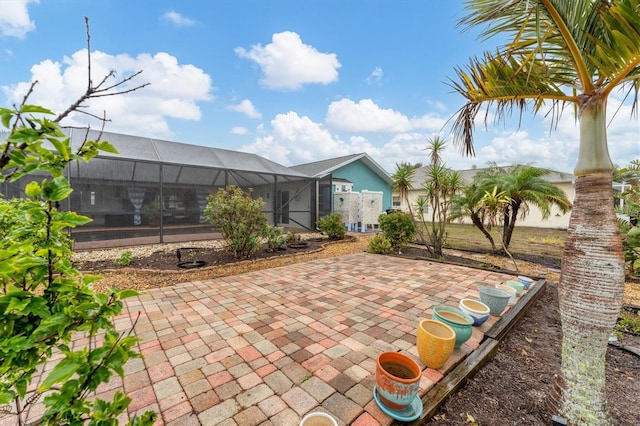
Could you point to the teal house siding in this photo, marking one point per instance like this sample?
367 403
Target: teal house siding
365 179
360 170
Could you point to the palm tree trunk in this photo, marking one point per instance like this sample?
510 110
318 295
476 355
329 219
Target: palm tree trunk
478 223
511 225
592 280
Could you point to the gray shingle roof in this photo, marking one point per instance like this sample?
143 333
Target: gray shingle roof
320 169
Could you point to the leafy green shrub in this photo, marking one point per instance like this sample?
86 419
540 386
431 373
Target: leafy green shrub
380 245
44 301
628 321
240 217
398 228
124 259
274 237
332 226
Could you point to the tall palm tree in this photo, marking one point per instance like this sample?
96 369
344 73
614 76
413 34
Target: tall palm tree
524 186
402 182
566 53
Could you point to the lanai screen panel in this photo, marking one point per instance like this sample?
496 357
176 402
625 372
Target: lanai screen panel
153 190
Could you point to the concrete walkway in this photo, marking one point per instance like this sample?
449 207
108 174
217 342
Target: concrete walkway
268 347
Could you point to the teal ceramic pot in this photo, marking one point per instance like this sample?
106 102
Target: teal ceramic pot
494 298
460 321
517 285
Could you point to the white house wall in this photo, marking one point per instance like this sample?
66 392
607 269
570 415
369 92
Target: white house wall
557 220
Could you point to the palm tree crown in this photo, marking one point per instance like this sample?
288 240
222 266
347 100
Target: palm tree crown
562 52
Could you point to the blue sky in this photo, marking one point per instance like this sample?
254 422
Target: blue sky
292 80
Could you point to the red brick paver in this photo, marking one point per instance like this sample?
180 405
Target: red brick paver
268 347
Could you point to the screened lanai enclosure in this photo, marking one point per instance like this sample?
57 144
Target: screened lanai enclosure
155 191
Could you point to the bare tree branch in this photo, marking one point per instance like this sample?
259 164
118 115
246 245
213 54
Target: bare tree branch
97 92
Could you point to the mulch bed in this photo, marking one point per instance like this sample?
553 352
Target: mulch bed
169 261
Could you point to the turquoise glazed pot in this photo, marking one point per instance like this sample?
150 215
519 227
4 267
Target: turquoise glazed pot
461 322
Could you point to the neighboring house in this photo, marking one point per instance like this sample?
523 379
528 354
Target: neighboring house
351 174
556 219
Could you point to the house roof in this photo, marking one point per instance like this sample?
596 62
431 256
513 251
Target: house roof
150 150
320 169
168 152
554 176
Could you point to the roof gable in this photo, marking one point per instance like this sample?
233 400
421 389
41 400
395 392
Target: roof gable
320 169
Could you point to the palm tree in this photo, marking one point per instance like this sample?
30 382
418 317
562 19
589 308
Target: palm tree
524 186
468 205
402 182
566 53
441 185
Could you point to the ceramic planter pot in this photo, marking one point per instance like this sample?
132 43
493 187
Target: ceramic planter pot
397 380
435 341
318 419
475 309
494 298
526 281
517 285
510 290
458 320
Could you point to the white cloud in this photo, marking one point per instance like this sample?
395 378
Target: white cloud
375 76
14 19
174 92
177 19
287 63
294 140
247 108
366 116
239 130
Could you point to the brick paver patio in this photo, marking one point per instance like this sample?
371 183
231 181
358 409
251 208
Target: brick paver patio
268 347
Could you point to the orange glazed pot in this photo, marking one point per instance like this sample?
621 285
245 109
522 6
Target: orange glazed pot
397 380
435 342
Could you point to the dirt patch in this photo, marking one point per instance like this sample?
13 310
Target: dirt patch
510 390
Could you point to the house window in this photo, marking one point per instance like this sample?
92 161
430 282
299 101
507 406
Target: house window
396 202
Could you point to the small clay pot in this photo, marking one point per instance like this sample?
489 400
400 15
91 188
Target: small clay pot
397 380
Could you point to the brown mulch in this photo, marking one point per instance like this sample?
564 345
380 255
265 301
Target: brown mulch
510 390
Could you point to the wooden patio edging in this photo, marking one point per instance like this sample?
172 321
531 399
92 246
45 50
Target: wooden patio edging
469 366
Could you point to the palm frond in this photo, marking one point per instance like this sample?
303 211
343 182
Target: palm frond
560 52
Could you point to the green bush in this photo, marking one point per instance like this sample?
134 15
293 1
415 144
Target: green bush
380 245
398 228
240 217
44 301
331 225
274 237
124 259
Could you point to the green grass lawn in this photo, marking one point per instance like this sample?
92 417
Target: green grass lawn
538 241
